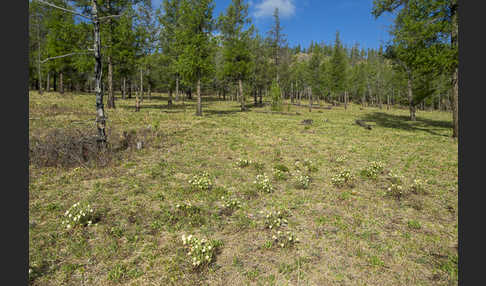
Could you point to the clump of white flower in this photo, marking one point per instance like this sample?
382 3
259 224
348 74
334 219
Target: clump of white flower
302 181
276 219
373 170
201 251
79 214
263 183
242 163
341 159
305 165
418 187
395 178
396 190
231 203
201 182
283 240
343 178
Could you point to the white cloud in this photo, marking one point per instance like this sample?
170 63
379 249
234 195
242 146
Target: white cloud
286 8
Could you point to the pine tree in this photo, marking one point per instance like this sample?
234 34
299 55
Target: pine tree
236 44
195 43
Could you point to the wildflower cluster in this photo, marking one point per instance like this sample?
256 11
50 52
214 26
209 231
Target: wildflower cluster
201 182
395 178
231 203
78 214
276 219
279 174
284 240
418 187
302 181
202 251
306 165
396 190
242 163
341 159
342 178
373 170
263 184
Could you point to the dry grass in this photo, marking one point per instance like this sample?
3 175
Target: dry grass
355 235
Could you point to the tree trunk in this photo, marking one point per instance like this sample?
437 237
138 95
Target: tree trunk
242 96
199 109
111 96
124 88
177 88
130 88
309 90
440 100
141 84
261 96
47 83
455 74
224 94
61 85
169 102
100 112
39 56
387 101
410 97
149 91
255 99
345 100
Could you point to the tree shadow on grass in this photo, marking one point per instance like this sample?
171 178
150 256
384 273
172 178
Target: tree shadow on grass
403 122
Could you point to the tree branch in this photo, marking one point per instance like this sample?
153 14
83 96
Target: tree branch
64 9
66 55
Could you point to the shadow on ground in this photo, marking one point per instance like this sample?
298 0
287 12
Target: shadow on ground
403 122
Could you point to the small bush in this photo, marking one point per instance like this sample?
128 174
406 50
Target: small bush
230 205
201 182
397 191
263 184
281 168
305 165
373 170
418 187
276 96
242 163
284 240
341 159
259 167
342 179
395 178
276 219
413 224
201 251
302 181
79 214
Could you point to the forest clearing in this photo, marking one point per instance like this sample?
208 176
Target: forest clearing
359 233
170 145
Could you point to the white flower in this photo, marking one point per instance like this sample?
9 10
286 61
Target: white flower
207 257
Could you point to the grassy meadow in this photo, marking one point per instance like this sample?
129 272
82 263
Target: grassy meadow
346 205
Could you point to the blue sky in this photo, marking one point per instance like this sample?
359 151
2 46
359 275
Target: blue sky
304 21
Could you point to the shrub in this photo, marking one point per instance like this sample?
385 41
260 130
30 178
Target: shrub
201 251
395 178
305 165
276 96
79 214
302 181
343 178
418 187
284 240
276 219
263 184
396 191
201 182
373 170
242 163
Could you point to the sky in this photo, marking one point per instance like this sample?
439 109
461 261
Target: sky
304 21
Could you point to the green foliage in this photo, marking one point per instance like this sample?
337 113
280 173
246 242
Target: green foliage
276 97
